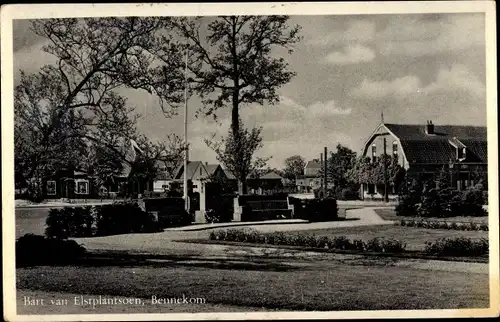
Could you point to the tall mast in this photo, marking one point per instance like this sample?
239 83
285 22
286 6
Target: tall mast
186 151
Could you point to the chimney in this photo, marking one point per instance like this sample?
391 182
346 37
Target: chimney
429 129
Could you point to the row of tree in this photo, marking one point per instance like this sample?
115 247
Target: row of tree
346 170
70 113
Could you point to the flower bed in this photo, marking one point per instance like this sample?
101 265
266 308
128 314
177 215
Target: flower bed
457 247
306 240
433 224
460 247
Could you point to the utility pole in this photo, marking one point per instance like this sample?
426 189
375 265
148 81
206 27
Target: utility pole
326 172
321 167
386 191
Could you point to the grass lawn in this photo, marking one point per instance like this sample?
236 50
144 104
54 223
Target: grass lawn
390 214
414 238
335 286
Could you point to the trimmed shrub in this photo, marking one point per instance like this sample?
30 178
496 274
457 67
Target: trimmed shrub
315 210
118 218
434 224
460 246
306 240
32 250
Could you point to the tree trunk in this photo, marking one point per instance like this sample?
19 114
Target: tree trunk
235 127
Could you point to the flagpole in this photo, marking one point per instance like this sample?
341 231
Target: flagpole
186 151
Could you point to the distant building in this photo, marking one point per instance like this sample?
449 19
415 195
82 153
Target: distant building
197 172
311 179
257 184
78 184
426 149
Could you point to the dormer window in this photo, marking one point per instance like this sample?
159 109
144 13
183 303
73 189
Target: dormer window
374 152
461 153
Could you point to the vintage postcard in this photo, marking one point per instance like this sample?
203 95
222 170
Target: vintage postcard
249 161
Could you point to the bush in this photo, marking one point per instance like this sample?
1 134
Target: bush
124 218
430 204
408 197
424 200
460 246
315 210
472 201
32 250
349 193
118 218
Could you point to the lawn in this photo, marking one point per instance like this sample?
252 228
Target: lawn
328 286
415 238
390 214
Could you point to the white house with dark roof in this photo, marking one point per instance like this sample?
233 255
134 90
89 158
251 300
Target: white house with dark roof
426 149
311 178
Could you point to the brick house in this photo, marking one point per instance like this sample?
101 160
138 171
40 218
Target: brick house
78 184
427 149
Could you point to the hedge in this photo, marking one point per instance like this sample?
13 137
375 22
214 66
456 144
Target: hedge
325 209
34 250
460 246
434 224
103 220
307 240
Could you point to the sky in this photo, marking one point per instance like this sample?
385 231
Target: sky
350 69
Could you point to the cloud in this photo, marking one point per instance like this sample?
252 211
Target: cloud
410 35
351 55
457 77
355 31
288 128
420 38
378 89
329 108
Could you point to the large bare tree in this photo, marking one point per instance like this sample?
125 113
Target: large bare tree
235 60
75 100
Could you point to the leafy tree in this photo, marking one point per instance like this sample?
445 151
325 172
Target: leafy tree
366 171
294 167
340 163
145 167
234 61
237 154
73 102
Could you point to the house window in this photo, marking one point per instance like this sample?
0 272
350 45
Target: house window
371 188
82 187
374 152
51 187
395 149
